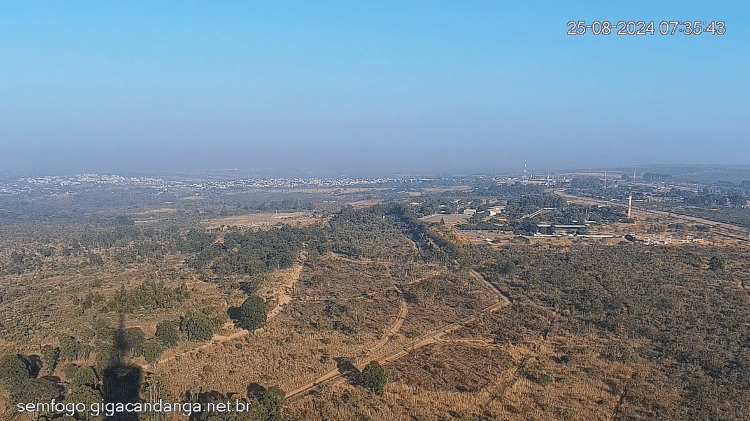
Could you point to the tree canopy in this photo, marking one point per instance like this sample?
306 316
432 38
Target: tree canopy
253 313
374 377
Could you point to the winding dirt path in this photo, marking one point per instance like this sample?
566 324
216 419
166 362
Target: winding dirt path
335 376
280 293
388 335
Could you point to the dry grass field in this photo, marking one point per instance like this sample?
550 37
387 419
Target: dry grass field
261 220
452 219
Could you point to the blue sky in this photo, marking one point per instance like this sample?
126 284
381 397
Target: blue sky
424 86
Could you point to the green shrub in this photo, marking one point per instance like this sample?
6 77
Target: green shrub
13 370
50 357
134 339
167 333
197 327
374 377
152 351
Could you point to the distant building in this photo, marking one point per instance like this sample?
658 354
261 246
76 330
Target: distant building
496 210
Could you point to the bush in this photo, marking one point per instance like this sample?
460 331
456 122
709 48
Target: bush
374 377
716 264
166 332
152 351
13 370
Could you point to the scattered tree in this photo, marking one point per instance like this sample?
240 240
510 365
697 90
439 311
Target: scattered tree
197 327
50 357
13 370
152 351
374 377
253 313
166 332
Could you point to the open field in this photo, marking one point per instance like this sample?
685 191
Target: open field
262 220
450 219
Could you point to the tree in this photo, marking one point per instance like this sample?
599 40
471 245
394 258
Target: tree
166 332
134 339
152 351
197 327
34 390
85 376
13 370
50 358
272 401
87 395
374 377
253 313
68 348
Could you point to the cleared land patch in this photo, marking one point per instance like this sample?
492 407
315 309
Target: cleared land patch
262 220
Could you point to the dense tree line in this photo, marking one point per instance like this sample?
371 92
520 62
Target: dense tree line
244 252
30 379
198 327
21 261
364 232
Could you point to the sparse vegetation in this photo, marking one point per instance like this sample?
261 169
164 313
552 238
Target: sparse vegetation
615 331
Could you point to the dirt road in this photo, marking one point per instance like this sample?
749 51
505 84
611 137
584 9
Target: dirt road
335 376
280 293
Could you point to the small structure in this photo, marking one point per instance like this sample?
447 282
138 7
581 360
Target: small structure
496 210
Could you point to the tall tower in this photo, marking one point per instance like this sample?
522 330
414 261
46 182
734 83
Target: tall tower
524 170
630 205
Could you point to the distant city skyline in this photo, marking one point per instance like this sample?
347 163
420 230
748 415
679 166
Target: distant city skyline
367 87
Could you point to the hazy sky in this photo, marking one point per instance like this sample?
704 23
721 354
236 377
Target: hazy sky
428 86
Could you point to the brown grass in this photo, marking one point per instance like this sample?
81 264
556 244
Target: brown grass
261 220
